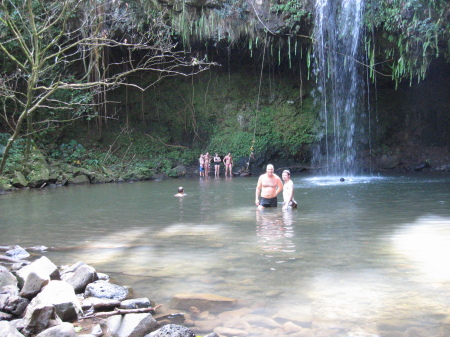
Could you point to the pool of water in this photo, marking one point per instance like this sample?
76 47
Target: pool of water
368 253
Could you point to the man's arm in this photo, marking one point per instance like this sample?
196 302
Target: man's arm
258 190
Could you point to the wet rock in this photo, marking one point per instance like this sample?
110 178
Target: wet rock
17 253
99 304
103 289
136 303
172 330
290 328
261 321
230 332
228 315
300 315
62 330
237 323
204 302
41 266
132 325
207 326
8 330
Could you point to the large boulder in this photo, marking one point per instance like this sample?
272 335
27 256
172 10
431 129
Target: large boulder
60 295
19 180
79 276
39 175
41 266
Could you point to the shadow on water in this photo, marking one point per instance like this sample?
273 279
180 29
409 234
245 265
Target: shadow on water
367 253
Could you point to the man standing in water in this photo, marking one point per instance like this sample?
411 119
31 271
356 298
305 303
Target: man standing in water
269 185
288 191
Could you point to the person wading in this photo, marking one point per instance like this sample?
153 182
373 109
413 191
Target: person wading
268 187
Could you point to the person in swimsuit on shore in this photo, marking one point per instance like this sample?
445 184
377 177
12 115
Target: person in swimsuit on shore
217 162
228 160
269 185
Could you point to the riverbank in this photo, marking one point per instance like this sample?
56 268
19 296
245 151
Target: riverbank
44 172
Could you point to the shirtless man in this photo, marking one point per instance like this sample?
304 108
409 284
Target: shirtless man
269 185
288 190
228 160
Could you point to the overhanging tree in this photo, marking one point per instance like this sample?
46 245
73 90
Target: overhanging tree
56 65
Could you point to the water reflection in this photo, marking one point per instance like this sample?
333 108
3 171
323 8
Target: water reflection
275 230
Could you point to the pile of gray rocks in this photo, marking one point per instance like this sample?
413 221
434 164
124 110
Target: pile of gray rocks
39 299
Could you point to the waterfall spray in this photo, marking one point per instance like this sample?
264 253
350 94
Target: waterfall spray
339 93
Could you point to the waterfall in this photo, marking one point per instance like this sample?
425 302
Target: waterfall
339 92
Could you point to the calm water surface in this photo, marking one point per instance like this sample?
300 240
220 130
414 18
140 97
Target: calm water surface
370 253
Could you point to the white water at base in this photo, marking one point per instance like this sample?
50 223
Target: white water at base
339 92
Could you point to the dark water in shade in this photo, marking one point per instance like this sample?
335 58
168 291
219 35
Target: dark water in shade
369 253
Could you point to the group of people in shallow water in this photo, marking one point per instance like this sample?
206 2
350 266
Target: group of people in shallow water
268 187
205 164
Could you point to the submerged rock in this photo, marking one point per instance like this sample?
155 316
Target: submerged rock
204 302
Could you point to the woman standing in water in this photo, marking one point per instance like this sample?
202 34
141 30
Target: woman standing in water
217 162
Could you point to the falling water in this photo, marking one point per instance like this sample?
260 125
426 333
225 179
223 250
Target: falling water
339 92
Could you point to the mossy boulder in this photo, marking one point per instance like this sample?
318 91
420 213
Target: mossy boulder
19 180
